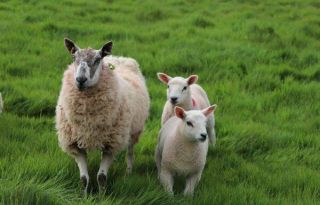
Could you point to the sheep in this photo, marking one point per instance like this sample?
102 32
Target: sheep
100 108
185 93
182 148
1 103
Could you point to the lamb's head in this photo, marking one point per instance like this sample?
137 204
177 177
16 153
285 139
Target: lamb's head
194 123
178 91
87 63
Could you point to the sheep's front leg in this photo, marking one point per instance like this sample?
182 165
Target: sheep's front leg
106 161
81 159
166 179
191 183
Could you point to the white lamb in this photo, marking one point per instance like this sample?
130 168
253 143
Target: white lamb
100 108
185 93
182 148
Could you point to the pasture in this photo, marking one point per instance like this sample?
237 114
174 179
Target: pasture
259 61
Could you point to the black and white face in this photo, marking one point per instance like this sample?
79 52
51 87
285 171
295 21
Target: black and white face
87 63
194 123
178 90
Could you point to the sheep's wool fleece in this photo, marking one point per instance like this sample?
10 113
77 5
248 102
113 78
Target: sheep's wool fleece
107 114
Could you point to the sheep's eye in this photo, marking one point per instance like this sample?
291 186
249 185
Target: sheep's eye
184 88
168 86
189 124
96 61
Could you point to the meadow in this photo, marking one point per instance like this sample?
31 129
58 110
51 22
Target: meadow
257 60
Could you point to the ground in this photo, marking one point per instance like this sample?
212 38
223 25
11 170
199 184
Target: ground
258 61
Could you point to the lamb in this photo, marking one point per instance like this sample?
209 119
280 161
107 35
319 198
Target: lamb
182 148
185 93
100 108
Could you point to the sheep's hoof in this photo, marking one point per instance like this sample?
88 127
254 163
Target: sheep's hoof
85 184
129 170
102 181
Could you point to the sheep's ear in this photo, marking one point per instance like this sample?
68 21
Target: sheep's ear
180 113
72 47
164 78
192 79
106 49
207 111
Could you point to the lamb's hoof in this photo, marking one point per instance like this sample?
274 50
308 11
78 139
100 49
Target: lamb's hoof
85 184
102 182
188 194
129 170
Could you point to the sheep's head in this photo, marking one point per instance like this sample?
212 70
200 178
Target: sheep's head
87 63
178 91
194 123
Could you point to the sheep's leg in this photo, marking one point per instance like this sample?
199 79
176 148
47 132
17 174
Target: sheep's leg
191 183
158 159
81 159
130 153
106 161
130 157
166 180
211 130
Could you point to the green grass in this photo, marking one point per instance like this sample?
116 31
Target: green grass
258 60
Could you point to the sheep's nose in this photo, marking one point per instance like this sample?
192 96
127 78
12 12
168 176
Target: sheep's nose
203 136
173 100
81 80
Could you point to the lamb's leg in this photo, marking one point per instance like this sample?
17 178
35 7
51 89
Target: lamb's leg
81 159
211 130
106 161
166 180
191 183
130 153
158 159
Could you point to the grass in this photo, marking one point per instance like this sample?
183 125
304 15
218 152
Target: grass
258 60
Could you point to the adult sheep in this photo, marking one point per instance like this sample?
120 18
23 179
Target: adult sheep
100 108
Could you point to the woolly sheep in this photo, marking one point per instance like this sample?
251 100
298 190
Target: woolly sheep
185 93
100 108
182 147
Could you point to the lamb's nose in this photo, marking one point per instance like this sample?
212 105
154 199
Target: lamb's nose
203 136
173 100
81 80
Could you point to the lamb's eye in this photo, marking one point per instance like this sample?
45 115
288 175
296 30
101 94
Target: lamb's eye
184 88
189 124
168 86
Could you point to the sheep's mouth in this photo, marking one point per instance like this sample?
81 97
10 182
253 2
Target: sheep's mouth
202 139
81 87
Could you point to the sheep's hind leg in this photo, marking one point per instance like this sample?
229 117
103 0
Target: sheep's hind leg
106 161
130 153
81 158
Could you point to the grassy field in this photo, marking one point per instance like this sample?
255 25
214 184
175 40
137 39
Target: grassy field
258 60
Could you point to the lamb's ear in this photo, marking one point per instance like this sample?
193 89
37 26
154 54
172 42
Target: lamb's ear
72 47
164 78
207 111
179 111
192 79
106 49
